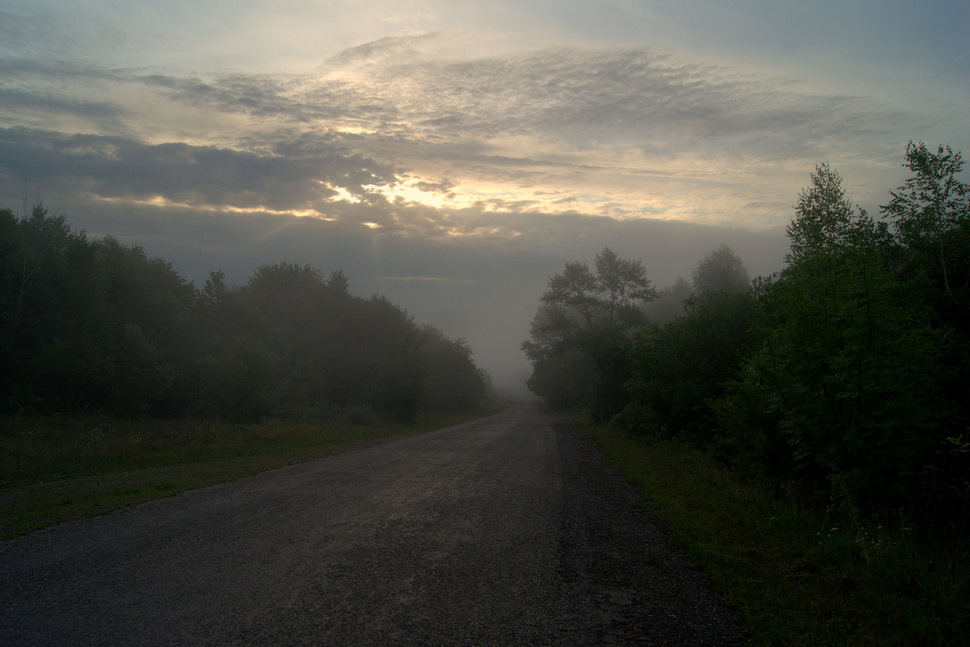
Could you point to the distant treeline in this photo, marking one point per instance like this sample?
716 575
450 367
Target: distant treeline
97 326
846 375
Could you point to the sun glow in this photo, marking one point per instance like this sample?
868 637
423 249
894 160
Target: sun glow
497 198
163 202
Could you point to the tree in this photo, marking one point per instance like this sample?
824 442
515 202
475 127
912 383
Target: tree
591 313
11 252
670 302
933 201
931 212
101 326
338 281
565 380
150 310
291 312
238 384
54 339
142 373
388 360
450 380
215 292
678 369
35 263
721 271
823 216
847 370
609 297
579 302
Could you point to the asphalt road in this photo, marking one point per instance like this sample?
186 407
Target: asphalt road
511 530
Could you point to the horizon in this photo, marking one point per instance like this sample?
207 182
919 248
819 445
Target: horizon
452 158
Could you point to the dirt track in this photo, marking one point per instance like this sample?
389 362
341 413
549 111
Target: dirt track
510 530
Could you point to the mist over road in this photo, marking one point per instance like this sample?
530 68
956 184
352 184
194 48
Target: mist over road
508 530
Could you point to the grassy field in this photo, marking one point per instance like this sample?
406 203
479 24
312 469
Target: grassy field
794 575
56 469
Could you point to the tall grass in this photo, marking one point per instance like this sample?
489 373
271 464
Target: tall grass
796 574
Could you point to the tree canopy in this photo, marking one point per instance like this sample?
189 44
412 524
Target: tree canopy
586 320
100 326
721 271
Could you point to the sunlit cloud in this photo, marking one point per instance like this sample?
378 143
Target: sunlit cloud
620 132
623 133
164 203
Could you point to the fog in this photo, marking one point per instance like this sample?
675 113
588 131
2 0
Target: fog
485 290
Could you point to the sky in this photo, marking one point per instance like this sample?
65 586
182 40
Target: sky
453 155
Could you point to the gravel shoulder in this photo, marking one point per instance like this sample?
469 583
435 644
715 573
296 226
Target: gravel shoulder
507 530
637 588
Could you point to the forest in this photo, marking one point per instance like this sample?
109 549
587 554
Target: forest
95 326
844 377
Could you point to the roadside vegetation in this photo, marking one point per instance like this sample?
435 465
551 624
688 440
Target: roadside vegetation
60 468
831 399
795 573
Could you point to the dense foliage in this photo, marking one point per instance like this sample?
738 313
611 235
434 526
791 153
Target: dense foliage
847 374
99 326
582 334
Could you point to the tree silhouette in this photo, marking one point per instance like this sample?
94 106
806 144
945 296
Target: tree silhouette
721 271
592 313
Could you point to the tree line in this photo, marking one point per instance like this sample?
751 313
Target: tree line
845 375
98 326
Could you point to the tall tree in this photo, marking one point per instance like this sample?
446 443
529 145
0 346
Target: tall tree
721 271
847 368
450 380
823 216
679 368
53 335
292 312
591 313
931 212
579 303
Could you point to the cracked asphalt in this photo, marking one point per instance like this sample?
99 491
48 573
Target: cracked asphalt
510 530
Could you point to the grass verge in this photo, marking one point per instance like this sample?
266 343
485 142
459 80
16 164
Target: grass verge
56 469
793 575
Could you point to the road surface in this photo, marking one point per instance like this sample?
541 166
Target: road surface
510 530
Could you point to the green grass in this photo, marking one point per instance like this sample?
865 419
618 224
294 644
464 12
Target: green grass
793 574
56 469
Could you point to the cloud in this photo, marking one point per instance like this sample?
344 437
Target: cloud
253 95
31 70
26 102
575 96
382 50
622 132
636 129
296 175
